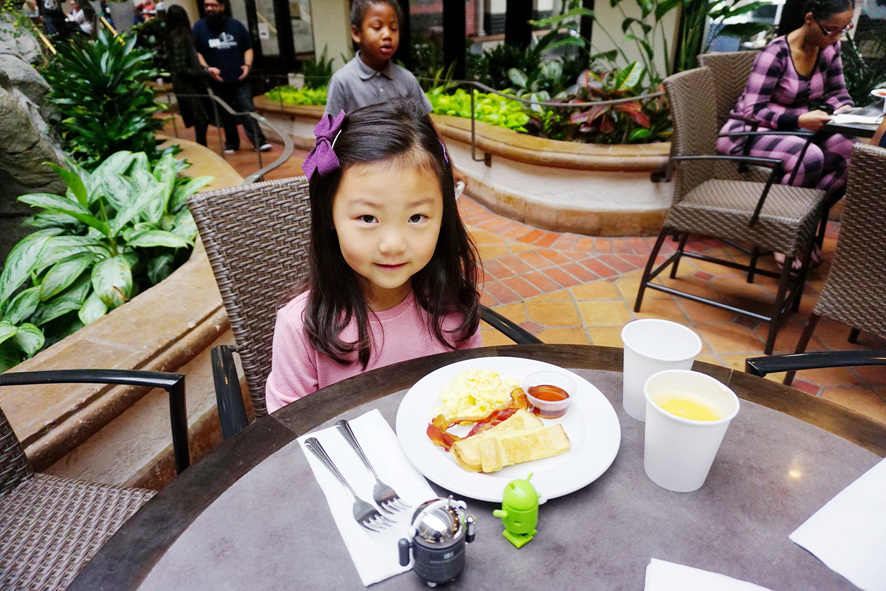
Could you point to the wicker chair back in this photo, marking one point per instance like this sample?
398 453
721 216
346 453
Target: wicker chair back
257 238
693 111
731 70
14 466
853 292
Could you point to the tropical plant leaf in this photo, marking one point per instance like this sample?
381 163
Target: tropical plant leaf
53 309
184 224
29 339
117 189
183 191
57 204
21 259
7 330
93 309
112 280
63 274
144 201
74 183
23 305
158 238
663 7
160 267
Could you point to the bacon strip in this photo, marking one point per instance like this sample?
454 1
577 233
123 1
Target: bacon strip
438 428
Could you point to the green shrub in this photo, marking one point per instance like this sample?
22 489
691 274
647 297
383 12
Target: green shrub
289 95
105 105
490 108
116 231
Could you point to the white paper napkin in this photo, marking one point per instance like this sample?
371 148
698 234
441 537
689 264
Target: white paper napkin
848 534
670 576
849 119
374 554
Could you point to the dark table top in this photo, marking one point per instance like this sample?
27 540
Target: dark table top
859 130
251 515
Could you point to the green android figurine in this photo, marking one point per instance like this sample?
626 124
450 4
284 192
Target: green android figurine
519 511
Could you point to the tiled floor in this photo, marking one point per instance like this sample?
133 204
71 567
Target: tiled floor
569 288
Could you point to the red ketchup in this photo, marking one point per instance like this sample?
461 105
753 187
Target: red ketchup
552 394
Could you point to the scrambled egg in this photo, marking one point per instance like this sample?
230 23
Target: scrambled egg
474 393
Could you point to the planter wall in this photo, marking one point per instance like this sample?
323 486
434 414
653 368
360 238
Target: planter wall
563 186
121 435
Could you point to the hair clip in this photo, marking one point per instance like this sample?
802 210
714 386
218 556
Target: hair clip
445 154
322 158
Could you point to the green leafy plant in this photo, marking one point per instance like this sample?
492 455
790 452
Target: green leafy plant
318 71
861 75
488 107
101 92
289 95
116 231
428 68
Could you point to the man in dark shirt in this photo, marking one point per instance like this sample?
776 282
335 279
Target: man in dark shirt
224 48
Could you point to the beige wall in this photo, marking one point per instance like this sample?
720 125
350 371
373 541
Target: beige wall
329 23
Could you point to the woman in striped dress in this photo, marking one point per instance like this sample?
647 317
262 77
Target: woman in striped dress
792 73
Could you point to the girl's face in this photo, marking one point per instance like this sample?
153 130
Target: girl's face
387 216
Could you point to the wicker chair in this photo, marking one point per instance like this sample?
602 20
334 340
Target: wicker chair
256 238
853 292
709 201
50 527
731 70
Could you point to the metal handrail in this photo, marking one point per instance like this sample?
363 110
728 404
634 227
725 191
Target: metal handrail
288 146
487 158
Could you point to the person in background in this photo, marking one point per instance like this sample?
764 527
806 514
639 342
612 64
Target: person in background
392 272
791 74
224 48
371 77
188 76
53 16
83 16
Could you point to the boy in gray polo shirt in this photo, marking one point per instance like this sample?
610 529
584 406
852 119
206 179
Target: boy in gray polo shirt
370 77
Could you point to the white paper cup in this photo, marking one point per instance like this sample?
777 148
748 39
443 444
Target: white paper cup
652 346
678 452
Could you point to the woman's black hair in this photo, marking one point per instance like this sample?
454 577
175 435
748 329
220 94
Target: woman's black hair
794 12
178 25
399 132
359 8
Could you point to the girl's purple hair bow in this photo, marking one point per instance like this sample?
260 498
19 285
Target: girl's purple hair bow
322 158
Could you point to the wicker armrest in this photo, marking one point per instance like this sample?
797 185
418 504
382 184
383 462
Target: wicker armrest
797 132
760 366
513 331
173 383
759 161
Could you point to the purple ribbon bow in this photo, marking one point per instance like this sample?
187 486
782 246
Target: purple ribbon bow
322 158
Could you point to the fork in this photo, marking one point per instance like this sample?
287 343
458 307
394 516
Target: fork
383 495
364 513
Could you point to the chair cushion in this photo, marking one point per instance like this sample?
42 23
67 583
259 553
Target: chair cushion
723 208
50 527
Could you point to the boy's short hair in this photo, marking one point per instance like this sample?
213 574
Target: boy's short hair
359 8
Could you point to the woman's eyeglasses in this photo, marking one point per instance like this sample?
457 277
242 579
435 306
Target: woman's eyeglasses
831 31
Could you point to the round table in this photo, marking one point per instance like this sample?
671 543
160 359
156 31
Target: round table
251 515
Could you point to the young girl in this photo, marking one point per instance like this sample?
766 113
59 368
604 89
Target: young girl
392 273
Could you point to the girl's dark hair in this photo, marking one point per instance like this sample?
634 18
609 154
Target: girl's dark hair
178 25
794 12
401 133
359 8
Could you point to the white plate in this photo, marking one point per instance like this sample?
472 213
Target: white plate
591 425
879 92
